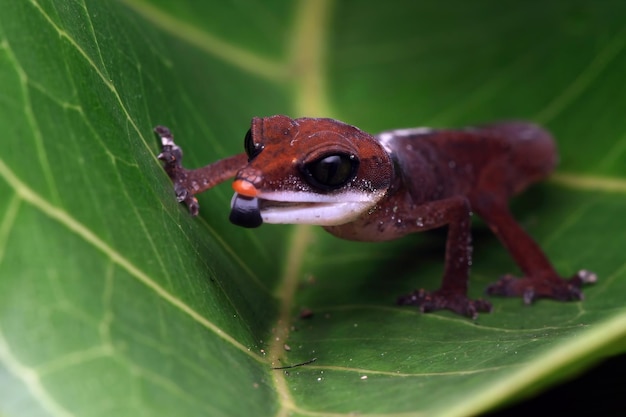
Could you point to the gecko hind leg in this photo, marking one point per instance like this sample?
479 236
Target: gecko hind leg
539 280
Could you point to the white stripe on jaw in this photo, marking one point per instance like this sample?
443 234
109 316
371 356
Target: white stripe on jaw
292 207
388 135
308 197
330 214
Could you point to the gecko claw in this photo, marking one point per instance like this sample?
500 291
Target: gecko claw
529 296
171 153
583 277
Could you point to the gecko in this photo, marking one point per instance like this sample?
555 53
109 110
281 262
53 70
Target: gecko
364 187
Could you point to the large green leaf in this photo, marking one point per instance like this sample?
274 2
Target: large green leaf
114 301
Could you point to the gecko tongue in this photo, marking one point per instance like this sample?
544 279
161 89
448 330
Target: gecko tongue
245 211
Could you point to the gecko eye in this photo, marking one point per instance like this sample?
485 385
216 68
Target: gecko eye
252 149
332 171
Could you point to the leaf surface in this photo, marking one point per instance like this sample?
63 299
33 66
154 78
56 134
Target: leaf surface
114 301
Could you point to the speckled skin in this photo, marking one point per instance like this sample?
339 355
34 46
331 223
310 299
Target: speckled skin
418 179
439 169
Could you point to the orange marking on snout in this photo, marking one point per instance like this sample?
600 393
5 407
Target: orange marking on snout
245 188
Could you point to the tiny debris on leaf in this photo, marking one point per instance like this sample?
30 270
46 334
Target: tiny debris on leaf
306 313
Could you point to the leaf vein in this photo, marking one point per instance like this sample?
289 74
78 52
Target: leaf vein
74 358
363 371
213 45
7 223
106 81
81 230
589 182
31 380
32 120
584 79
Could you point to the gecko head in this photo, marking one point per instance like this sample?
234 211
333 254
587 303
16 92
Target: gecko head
308 171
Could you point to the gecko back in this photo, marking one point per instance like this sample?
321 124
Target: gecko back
531 157
502 158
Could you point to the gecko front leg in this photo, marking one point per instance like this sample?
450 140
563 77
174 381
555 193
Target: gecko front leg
188 183
452 294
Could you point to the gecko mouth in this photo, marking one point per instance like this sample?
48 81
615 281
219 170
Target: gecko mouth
253 211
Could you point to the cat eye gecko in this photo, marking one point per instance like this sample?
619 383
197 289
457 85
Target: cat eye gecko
375 188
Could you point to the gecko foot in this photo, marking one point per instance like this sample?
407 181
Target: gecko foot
438 300
172 155
531 289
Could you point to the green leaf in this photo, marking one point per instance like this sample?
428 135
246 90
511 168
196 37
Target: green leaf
114 301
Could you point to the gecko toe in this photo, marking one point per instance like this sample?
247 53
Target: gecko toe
171 153
583 277
172 156
531 289
428 301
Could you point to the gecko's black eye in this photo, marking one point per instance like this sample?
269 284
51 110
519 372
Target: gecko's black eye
332 171
252 149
